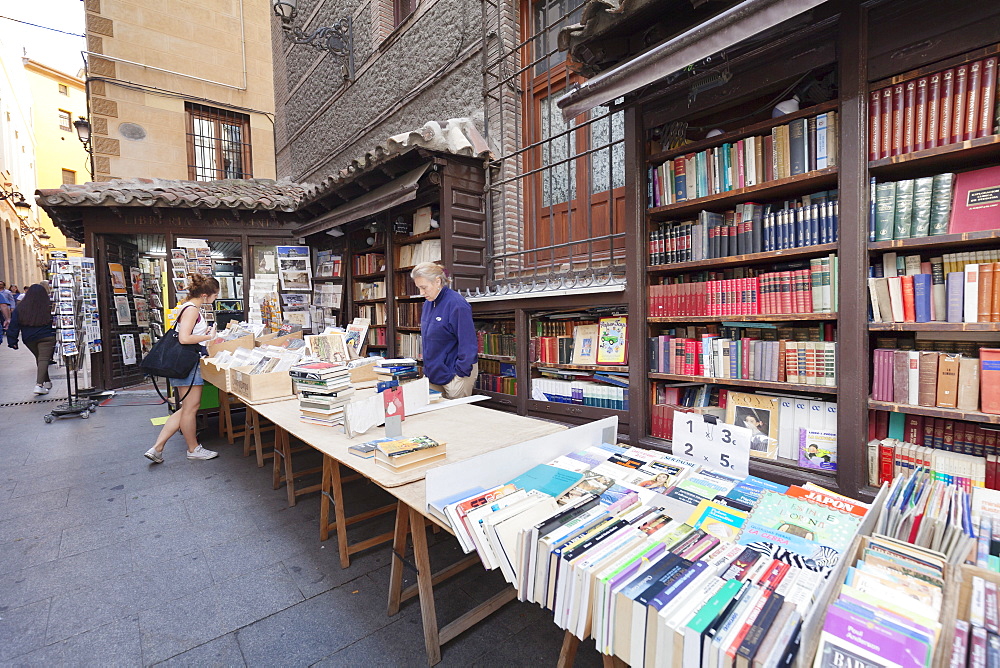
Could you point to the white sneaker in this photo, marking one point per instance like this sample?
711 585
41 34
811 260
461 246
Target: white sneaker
202 453
47 384
41 389
154 456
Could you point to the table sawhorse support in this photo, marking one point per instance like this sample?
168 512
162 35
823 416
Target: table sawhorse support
332 493
254 429
567 654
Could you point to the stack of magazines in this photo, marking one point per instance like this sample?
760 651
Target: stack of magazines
323 389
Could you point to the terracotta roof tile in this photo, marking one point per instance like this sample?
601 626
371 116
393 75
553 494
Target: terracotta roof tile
249 194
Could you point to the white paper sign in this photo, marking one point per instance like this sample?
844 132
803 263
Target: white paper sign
723 447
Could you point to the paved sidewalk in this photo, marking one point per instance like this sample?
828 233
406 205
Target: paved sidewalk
108 560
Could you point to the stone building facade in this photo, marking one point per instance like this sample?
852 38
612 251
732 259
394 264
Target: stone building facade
414 62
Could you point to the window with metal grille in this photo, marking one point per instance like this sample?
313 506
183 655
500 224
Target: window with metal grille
557 187
218 143
65 120
68 176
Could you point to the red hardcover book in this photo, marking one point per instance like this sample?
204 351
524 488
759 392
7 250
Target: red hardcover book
976 205
898 118
987 97
989 441
972 104
933 110
909 314
691 357
781 362
909 115
786 292
960 104
920 116
745 369
947 107
871 424
914 429
991 472
874 124
989 379
960 444
978 441
886 462
768 158
885 146
939 425
881 424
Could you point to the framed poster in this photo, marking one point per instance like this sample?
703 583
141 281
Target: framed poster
137 285
118 284
612 346
122 310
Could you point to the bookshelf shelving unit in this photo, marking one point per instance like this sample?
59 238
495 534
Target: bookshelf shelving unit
496 333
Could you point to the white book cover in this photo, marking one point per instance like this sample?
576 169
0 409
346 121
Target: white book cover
787 443
913 376
971 293
800 423
889 265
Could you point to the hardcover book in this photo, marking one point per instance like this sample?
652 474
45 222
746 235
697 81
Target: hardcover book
759 413
612 347
976 204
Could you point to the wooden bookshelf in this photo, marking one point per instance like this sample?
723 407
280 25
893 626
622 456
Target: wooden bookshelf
776 318
402 328
366 277
498 358
760 384
581 367
417 238
934 326
790 186
327 279
958 241
763 127
769 257
952 157
370 301
931 411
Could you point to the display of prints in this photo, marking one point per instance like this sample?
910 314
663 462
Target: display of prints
145 343
328 347
136 275
178 254
66 308
300 318
180 285
294 267
356 333
67 335
265 260
180 273
118 284
141 312
122 310
612 347
69 348
128 348
228 305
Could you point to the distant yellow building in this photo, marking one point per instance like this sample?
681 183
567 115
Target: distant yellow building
180 89
58 99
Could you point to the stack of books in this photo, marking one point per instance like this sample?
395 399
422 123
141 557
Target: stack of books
940 380
323 388
405 454
401 368
661 562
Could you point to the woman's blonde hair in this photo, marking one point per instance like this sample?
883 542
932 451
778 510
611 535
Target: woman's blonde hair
200 285
430 271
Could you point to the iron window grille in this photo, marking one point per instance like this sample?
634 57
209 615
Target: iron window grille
218 143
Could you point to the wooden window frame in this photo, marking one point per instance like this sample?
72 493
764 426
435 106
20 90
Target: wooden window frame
69 121
401 10
64 90
68 171
218 117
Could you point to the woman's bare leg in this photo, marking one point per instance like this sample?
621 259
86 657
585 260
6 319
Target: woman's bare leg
184 420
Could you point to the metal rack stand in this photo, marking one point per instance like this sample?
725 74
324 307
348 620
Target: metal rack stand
76 404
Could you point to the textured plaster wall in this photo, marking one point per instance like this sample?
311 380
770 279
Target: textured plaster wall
427 69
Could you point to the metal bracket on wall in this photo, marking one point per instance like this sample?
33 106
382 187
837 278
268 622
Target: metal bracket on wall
337 39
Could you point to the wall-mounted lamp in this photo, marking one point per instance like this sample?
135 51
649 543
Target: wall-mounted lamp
82 126
335 232
25 230
338 39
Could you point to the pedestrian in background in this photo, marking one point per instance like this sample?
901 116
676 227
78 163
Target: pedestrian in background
32 320
450 345
6 305
191 328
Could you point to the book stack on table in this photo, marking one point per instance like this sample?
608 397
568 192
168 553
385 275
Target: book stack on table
662 562
323 389
404 454
403 368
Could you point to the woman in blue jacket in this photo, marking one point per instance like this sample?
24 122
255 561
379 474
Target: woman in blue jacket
450 345
32 319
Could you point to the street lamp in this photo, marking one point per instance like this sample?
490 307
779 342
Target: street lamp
338 39
82 126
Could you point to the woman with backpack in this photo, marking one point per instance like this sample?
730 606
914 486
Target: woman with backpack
32 320
191 328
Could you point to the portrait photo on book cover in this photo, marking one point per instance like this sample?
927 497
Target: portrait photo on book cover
758 421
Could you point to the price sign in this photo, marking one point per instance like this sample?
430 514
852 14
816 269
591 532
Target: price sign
723 447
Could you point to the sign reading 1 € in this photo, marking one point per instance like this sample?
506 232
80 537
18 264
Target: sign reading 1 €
723 447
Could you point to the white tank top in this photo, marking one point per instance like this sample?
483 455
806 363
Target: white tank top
200 326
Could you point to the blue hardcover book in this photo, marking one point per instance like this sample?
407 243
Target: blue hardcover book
922 297
956 296
814 223
680 185
871 210
835 217
550 480
734 359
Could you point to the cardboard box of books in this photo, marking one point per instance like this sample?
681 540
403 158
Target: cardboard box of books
231 345
258 387
276 338
214 374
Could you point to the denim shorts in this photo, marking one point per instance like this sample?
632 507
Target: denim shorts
193 378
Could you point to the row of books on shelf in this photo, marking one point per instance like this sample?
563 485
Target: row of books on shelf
750 228
811 290
408 314
329 264
369 290
800 429
951 435
497 368
374 313
912 208
580 392
410 344
965 348
967 296
369 263
662 562
559 327
496 344
942 380
797 147
584 344
496 383
947 107
376 336
428 250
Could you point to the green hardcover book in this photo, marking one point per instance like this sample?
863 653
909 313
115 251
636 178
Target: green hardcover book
922 191
941 198
885 209
903 218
